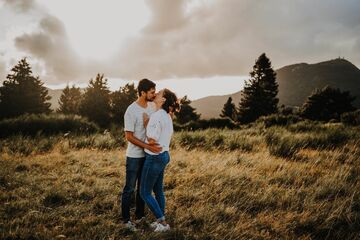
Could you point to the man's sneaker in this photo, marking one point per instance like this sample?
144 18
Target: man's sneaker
129 225
162 228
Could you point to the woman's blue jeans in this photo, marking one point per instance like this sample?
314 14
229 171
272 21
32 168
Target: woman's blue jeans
152 178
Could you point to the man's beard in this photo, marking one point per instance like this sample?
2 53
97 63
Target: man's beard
149 99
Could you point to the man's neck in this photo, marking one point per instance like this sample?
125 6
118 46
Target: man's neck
142 102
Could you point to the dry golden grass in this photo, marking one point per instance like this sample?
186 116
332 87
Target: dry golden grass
211 194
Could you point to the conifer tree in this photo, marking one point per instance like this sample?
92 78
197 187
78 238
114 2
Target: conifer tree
187 113
23 93
70 100
229 110
260 91
95 104
120 100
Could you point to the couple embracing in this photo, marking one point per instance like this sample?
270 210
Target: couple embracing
148 130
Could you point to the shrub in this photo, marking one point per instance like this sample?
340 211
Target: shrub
34 124
282 144
278 120
214 139
191 140
18 144
331 137
26 145
327 103
202 124
351 118
239 143
306 126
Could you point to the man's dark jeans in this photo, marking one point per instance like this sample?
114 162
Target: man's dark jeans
133 176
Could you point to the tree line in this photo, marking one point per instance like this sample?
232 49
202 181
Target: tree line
23 93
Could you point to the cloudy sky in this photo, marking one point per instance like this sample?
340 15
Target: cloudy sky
196 47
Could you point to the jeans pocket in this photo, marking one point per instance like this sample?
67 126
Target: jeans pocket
166 158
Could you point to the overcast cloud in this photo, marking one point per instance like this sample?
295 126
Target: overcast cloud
225 37
213 38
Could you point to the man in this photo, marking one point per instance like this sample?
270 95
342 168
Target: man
135 155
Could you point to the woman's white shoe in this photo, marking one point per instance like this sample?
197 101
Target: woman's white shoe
162 228
154 225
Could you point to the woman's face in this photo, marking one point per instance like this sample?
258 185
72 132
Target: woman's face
159 100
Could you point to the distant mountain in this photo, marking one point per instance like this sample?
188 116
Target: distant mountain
296 83
210 107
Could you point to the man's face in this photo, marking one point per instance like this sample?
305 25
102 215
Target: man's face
150 95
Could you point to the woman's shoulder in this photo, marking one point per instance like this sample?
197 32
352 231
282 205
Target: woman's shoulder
159 114
156 115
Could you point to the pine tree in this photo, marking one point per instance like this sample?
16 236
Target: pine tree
229 110
23 93
70 100
187 113
327 103
259 94
120 100
95 104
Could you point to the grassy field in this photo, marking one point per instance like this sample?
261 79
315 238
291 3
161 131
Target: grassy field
294 182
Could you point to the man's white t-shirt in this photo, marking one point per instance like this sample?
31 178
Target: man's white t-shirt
134 122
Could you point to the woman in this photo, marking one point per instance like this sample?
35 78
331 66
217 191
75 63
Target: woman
159 130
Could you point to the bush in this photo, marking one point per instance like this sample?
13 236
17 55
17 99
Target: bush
331 137
327 103
239 143
191 140
33 124
306 126
281 144
278 120
26 145
351 118
214 139
202 124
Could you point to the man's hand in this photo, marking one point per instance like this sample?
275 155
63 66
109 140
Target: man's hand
151 141
153 147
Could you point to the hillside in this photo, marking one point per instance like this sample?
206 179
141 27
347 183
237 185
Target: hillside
296 82
211 106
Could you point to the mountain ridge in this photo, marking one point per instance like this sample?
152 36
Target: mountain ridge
296 82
